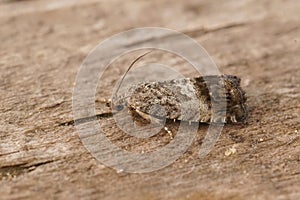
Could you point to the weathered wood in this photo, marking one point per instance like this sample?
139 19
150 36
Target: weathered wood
42 46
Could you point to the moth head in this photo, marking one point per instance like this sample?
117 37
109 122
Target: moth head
118 104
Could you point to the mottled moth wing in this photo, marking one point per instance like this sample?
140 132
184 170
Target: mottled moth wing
190 99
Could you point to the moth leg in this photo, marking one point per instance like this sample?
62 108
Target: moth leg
155 120
169 132
147 117
219 118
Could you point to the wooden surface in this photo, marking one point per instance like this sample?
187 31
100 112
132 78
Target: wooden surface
42 46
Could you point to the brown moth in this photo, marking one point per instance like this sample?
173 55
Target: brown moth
205 99
188 99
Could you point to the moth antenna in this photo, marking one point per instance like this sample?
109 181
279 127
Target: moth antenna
131 65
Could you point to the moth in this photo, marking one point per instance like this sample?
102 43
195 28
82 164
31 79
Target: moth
173 96
205 99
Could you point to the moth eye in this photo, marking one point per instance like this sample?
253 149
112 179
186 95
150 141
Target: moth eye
119 107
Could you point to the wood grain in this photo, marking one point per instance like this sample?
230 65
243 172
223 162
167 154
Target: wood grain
42 46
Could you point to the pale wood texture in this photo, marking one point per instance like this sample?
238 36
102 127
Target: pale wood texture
42 46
